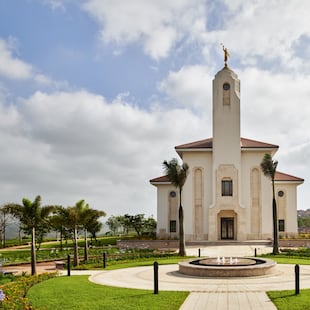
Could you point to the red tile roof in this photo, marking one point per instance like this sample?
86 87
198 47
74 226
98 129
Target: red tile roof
162 179
248 143
283 177
201 144
279 177
207 144
245 144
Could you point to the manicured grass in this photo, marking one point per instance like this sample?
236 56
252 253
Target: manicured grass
293 261
289 260
287 300
76 292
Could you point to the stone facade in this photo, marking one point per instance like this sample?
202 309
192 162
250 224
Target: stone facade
226 196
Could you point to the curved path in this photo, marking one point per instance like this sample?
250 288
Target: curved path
217 293
171 280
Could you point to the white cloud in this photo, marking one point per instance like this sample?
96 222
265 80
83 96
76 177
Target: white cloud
265 29
275 109
68 146
56 4
190 86
46 82
156 25
10 66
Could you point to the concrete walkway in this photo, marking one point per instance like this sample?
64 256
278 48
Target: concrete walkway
211 293
246 293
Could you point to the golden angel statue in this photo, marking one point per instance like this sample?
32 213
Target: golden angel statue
226 54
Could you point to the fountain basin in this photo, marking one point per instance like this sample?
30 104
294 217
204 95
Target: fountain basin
229 267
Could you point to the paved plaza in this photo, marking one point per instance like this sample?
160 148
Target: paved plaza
211 293
247 293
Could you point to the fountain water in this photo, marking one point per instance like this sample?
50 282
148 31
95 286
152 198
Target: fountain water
228 267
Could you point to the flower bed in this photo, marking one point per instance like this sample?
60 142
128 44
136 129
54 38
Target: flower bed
14 293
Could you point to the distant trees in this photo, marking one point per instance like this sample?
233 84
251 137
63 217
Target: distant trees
123 224
5 219
37 221
304 222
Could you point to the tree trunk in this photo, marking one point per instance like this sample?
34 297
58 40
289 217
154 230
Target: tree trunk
33 252
4 229
181 228
19 235
181 232
85 246
76 253
61 247
275 222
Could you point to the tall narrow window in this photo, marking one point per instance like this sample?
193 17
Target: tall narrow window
173 226
226 94
227 188
173 212
281 225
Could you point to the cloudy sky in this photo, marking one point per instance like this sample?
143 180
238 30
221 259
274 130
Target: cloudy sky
95 94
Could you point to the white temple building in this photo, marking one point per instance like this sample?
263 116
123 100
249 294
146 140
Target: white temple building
226 196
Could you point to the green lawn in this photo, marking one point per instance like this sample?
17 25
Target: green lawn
287 300
76 292
291 260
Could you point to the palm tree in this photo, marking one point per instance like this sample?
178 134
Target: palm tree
75 220
59 221
75 216
177 175
89 220
32 216
269 168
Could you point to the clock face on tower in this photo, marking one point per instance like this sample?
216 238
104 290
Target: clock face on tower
226 86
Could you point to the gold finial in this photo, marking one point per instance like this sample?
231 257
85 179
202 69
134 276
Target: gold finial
226 54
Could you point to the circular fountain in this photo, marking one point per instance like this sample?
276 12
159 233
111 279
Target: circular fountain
228 267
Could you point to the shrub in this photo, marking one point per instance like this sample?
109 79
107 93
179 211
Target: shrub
15 292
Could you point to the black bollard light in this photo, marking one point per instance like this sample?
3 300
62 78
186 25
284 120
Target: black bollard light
297 279
199 252
69 267
255 252
104 258
155 277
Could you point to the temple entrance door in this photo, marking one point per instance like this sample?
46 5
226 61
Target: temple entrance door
227 228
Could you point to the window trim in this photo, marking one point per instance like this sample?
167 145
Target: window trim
173 226
227 188
281 225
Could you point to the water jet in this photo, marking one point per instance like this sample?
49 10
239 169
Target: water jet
228 267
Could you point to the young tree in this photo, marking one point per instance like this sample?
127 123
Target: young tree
59 221
74 217
113 224
89 219
177 175
32 215
5 219
136 222
81 217
269 168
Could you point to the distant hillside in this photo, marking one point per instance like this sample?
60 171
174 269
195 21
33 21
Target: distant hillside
303 213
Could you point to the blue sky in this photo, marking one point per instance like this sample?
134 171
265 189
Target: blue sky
95 94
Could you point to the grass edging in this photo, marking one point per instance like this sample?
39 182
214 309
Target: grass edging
287 300
77 292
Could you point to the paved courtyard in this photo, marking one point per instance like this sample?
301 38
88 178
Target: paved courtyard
211 293
205 293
